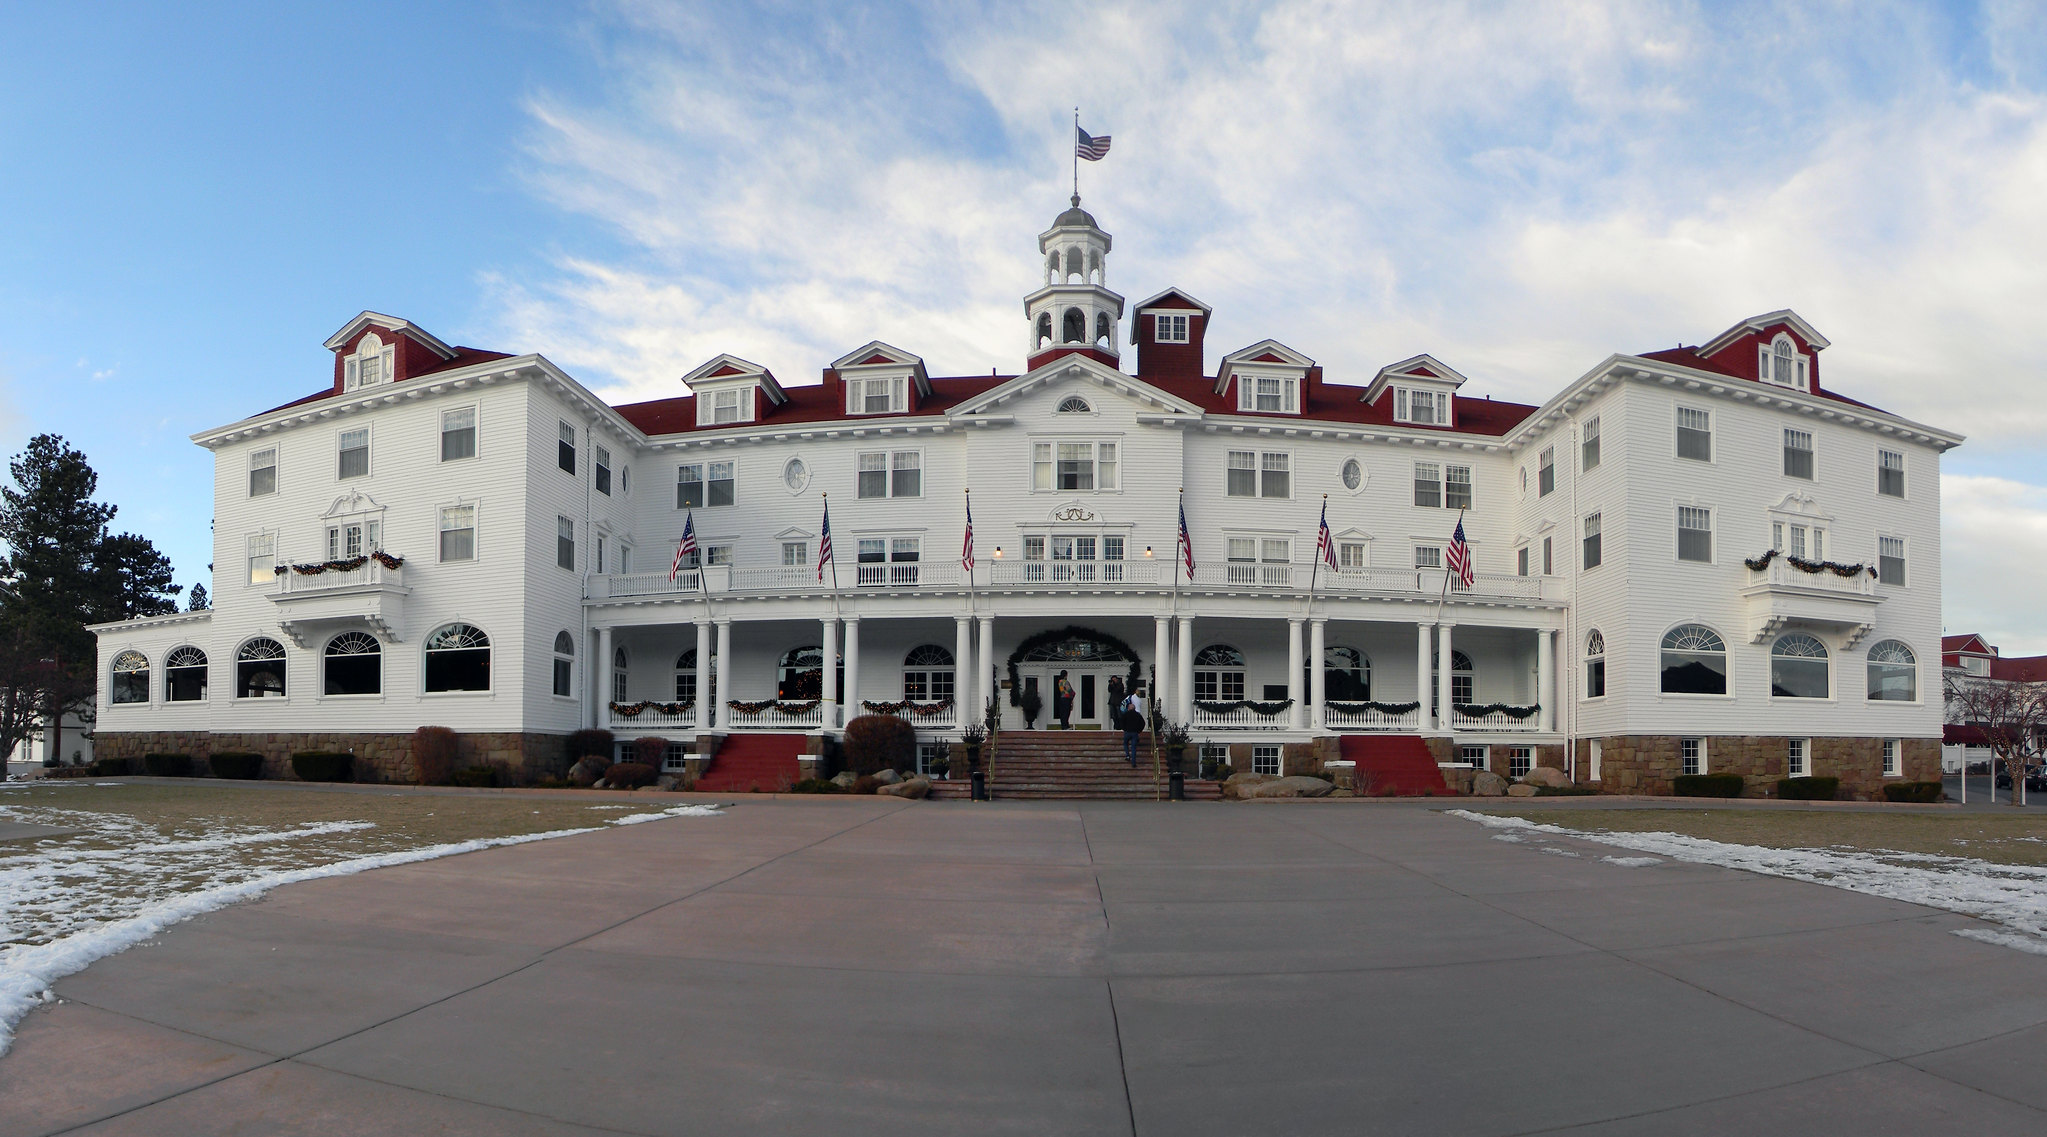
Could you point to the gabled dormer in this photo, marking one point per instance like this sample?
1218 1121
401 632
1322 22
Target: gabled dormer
1778 348
1421 389
1168 334
1266 378
730 390
879 380
373 349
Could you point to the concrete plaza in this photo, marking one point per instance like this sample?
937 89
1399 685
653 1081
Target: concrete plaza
863 965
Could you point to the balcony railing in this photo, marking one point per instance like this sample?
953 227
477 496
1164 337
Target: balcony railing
1057 573
371 573
1493 721
1242 718
1366 718
1781 573
774 714
638 716
1246 575
899 575
617 586
941 715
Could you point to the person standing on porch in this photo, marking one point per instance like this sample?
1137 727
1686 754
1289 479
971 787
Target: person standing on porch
1062 701
1116 693
1131 716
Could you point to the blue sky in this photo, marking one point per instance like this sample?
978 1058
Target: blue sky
191 200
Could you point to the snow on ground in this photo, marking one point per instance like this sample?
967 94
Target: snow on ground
68 900
2013 897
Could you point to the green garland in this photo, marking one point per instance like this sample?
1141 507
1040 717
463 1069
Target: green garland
1758 564
1070 631
1265 709
1481 710
1382 708
346 564
635 710
787 707
918 710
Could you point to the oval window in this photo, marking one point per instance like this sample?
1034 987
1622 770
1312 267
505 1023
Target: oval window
795 475
1353 474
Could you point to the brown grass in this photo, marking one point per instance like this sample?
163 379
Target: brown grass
2019 839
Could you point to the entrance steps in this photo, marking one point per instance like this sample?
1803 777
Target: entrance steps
1071 765
1393 765
746 763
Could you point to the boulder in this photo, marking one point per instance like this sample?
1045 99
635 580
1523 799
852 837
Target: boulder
1547 776
1298 785
912 788
1239 787
887 777
587 771
668 781
1521 789
845 779
1485 783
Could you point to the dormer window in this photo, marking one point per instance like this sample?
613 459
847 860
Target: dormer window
369 366
733 404
1782 364
1169 329
1413 404
1271 394
889 395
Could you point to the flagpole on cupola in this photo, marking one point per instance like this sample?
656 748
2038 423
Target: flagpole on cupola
1076 156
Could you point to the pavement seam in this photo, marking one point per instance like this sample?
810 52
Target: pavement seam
1108 974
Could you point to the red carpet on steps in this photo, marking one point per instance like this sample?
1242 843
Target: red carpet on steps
746 762
1393 765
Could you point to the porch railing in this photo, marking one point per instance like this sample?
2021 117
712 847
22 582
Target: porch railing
774 714
369 573
924 716
1366 718
618 586
1242 718
1496 721
635 716
1074 572
899 575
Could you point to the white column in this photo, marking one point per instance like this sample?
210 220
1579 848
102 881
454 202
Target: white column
707 676
852 650
1318 672
1295 714
1183 696
985 686
1443 712
718 715
1422 690
963 669
602 669
1162 662
830 677
1546 678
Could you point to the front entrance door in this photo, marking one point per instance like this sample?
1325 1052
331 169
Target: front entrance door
1090 691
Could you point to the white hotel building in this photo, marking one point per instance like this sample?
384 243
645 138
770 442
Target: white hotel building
520 532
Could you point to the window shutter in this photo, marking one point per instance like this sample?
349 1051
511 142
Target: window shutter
351 374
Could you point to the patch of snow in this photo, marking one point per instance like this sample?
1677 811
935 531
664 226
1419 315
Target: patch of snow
1511 837
2014 896
677 811
1633 862
1553 851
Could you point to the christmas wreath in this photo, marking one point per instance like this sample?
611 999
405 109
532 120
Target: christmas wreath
787 707
1381 708
346 564
1481 710
919 710
1758 564
635 710
1266 710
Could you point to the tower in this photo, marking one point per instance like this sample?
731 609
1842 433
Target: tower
1074 311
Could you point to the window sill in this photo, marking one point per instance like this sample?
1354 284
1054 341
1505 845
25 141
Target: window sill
372 697
1685 696
456 694
1799 701
253 701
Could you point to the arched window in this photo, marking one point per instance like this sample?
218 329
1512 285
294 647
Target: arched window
564 664
1463 680
1044 328
618 674
1595 665
928 673
1784 362
458 659
1798 667
131 677
1076 326
1074 405
1105 329
259 670
1073 268
1346 674
1893 672
689 679
1052 268
1094 266
1218 674
184 675
353 664
800 675
1694 661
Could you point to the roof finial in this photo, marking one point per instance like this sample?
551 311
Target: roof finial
1076 201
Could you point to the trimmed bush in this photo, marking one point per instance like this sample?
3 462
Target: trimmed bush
110 768
866 784
816 786
630 775
1706 785
1571 791
650 752
589 741
1922 792
1808 789
475 777
167 765
240 766
433 755
880 742
323 766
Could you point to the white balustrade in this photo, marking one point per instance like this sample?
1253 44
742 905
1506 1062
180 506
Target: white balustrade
1070 573
650 716
775 716
617 586
370 573
1365 718
1497 721
924 716
1781 573
1242 718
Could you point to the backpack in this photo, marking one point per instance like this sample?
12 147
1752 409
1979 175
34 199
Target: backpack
1129 717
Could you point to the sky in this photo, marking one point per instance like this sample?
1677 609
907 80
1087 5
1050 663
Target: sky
193 197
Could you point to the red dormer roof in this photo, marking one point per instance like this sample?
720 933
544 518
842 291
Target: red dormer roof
462 357
810 404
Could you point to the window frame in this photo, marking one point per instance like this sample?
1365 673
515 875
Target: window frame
474 431
860 389
890 473
1663 649
563 674
442 529
1893 758
1592 548
1802 748
1436 480
709 403
1403 405
1904 485
1546 472
427 650
600 468
1766 360
1826 658
170 681
1250 391
1682 529
1588 446
327 653
1045 463
565 542
1680 431
255 467
283 657
1810 451
565 447
342 450
1903 559
1595 665
268 560
1872 682
1172 327
1697 761
115 686
705 482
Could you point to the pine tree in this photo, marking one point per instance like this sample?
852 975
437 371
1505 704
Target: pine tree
197 600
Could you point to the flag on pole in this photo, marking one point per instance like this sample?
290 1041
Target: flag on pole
1186 549
685 549
1325 543
1092 147
1459 556
824 543
967 546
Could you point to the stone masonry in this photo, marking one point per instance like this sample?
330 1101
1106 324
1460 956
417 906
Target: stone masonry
519 758
1646 764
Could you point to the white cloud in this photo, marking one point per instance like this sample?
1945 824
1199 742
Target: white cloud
1994 537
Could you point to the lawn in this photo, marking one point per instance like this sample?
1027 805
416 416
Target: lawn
2020 839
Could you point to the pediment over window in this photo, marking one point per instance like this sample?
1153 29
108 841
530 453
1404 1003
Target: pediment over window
879 378
1419 370
730 390
1801 505
352 505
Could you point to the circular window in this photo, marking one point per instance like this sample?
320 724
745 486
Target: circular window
796 475
1353 475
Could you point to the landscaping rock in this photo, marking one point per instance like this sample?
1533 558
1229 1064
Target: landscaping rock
1341 792
587 771
1299 785
1521 789
845 778
668 781
913 788
1547 776
1488 784
888 777
1240 787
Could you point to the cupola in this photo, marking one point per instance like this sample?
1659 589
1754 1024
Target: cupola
1074 311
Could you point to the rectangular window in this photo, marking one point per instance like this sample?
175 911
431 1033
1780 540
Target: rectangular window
1428 484
1797 453
872 480
718 555
263 472
458 533
1692 752
1893 760
1890 473
1170 329
1429 408
701 484
1350 556
1549 560
1593 754
1592 541
1519 761
1595 677
1546 472
1521 560
458 434
717 408
1243 473
1694 434
1105 465
1589 449
1242 550
906 474
1474 756
597 551
876 396
603 471
1890 560
1265 760
689 486
1274 476
565 449
1428 557
1456 487
795 554
263 558
1076 466
1041 465
719 484
1268 393
1797 757
625 558
565 543
1694 534
355 452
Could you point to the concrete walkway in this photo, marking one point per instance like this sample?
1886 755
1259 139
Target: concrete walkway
858 965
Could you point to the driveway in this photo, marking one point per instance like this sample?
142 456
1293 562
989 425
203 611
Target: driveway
860 965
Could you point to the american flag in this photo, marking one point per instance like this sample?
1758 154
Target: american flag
1325 543
1186 549
1458 559
824 542
1088 146
967 546
685 549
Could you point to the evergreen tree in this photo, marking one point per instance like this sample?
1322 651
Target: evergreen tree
197 600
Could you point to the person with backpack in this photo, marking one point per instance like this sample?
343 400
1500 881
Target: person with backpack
1062 701
1131 717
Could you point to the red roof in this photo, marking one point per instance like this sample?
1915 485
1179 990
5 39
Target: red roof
1962 642
463 357
2024 669
1690 357
1953 734
815 403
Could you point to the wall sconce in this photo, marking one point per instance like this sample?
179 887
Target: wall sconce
998 552
1147 550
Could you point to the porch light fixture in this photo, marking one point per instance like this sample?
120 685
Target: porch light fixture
998 552
1147 550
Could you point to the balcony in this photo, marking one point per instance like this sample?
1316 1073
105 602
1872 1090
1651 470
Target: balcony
643 715
368 592
1073 573
1782 595
1365 717
1247 716
1512 720
774 714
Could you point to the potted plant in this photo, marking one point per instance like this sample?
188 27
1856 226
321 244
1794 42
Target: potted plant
1175 739
1030 704
972 740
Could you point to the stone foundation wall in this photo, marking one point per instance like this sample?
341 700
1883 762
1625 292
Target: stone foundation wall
1646 764
520 758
